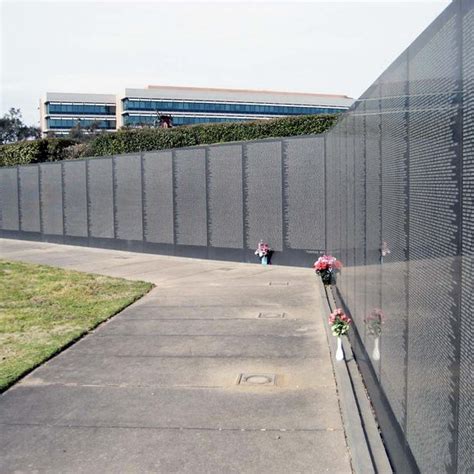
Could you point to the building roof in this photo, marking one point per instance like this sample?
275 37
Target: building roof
239 95
207 93
80 97
261 91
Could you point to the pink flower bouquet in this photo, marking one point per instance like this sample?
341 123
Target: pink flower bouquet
339 323
263 251
327 267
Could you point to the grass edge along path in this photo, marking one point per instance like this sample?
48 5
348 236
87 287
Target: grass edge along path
44 310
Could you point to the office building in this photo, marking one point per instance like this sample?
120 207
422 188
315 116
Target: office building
184 105
59 112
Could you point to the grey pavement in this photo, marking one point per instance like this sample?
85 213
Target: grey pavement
155 389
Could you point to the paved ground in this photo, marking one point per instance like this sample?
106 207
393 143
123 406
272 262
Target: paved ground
155 389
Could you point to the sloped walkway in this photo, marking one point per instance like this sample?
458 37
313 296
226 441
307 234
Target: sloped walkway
155 389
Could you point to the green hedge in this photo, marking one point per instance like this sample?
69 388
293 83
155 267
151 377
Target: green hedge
148 139
34 151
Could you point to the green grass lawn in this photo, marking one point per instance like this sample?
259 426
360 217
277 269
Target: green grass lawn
42 309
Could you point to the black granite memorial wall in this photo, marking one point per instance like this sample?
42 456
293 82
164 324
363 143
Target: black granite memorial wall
210 202
389 191
413 192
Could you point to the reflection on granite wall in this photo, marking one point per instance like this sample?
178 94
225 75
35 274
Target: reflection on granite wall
389 191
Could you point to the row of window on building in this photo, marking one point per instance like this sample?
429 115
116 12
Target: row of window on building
135 120
89 109
165 106
61 123
169 106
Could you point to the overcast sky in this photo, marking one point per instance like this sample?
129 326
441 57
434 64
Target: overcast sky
335 47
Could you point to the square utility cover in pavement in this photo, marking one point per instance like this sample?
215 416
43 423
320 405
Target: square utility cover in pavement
279 283
271 315
256 379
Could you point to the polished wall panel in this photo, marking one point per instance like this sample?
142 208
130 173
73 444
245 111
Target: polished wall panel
304 187
346 278
465 426
158 197
128 197
190 197
332 194
51 198
343 193
373 187
9 209
29 210
263 194
101 198
225 196
394 237
75 199
434 245
358 310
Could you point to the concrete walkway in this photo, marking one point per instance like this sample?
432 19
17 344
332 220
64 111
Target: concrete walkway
156 389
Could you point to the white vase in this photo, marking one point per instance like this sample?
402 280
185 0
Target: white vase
376 351
339 350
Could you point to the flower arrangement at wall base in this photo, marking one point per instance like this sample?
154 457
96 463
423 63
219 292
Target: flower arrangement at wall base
263 252
327 267
374 322
339 323
384 251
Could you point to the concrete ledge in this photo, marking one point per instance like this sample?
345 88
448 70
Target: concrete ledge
366 447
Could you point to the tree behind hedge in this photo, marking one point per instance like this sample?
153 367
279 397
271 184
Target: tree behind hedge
35 151
12 128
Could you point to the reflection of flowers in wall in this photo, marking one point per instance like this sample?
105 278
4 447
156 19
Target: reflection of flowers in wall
374 321
384 251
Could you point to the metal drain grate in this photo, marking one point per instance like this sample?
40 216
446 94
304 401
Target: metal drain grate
225 269
256 379
279 283
271 315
